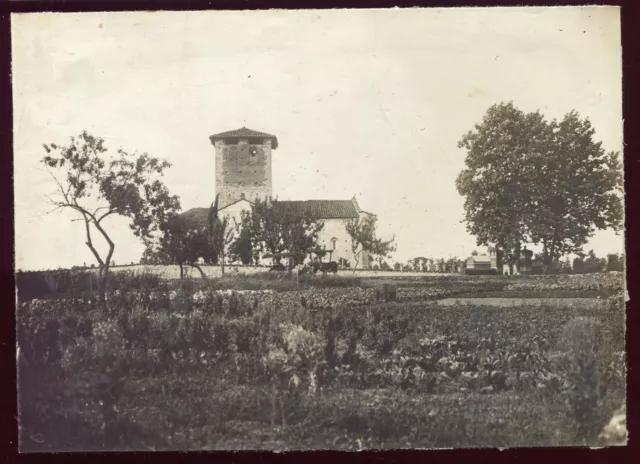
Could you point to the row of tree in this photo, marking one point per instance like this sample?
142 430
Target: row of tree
531 181
267 229
96 185
590 263
270 229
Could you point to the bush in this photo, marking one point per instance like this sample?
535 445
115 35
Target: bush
579 345
75 283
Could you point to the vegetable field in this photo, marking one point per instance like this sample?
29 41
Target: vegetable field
328 363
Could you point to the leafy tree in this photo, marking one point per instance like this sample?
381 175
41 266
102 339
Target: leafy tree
589 263
496 175
384 266
320 252
363 239
397 266
578 265
529 180
474 253
241 248
417 261
565 266
181 243
615 262
594 264
95 186
221 233
452 264
577 190
276 229
150 255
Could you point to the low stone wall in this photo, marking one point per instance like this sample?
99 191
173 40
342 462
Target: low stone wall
173 271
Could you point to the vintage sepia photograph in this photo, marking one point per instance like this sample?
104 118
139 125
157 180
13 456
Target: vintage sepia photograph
319 229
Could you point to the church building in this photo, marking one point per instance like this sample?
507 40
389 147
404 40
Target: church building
243 173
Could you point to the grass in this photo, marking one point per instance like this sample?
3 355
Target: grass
328 364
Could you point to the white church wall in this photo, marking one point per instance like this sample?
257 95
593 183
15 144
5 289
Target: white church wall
335 228
234 211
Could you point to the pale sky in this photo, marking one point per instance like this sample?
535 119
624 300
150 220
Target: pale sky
365 102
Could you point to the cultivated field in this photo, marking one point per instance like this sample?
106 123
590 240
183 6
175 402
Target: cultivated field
334 362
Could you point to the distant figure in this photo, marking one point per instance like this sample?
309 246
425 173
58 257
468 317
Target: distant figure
278 267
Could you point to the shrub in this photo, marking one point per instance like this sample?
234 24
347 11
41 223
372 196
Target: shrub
75 283
578 343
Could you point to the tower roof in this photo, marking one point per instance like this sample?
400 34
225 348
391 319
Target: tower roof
244 132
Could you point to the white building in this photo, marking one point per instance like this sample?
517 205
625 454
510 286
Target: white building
243 173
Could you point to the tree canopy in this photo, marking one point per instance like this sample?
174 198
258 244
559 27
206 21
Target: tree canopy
182 243
221 233
271 227
96 185
364 239
529 180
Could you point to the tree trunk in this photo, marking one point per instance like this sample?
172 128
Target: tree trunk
356 259
197 266
105 269
181 271
101 264
101 285
222 266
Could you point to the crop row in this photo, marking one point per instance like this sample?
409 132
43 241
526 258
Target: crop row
298 346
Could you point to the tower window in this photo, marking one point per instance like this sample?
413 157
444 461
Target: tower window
231 141
255 141
334 243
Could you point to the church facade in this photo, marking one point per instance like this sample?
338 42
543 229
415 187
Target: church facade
243 173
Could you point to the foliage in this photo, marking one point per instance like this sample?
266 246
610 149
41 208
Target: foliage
495 179
274 228
76 283
578 343
578 188
242 249
221 233
196 364
529 180
615 262
363 239
182 243
95 186
592 264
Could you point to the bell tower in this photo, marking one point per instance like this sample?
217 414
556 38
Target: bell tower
243 165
